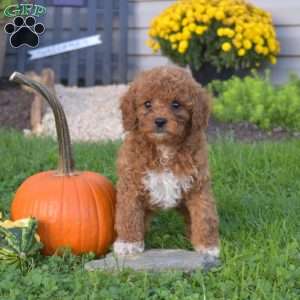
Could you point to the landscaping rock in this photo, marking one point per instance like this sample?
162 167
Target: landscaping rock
93 113
155 260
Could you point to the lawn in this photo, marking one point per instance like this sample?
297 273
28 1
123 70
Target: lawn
257 187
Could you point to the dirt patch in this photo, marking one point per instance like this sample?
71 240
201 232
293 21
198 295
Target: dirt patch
247 132
15 106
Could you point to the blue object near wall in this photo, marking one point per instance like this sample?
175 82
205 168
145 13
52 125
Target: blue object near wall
68 2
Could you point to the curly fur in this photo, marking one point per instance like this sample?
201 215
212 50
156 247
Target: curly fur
165 167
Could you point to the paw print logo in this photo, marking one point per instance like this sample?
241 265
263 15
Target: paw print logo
24 32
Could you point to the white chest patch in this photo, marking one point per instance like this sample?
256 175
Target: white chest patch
165 188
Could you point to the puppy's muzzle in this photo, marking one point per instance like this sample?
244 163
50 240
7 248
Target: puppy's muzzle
160 124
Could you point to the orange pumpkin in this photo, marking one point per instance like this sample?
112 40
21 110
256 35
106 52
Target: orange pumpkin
74 209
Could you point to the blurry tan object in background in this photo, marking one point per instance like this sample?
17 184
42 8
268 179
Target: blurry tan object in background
47 77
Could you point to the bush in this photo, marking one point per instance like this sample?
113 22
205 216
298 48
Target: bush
224 33
257 100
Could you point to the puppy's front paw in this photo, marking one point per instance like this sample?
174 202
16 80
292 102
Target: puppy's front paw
211 252
126 248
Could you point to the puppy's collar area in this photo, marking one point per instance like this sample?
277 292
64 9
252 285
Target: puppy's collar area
165 154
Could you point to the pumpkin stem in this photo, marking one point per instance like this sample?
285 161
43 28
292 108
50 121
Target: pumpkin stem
66 162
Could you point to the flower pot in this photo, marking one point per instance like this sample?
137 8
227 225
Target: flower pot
3 42
209 73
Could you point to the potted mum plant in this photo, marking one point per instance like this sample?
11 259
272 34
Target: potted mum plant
3 38
215 38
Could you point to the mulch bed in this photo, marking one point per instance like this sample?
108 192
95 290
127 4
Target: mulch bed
15 106
15 113
247 132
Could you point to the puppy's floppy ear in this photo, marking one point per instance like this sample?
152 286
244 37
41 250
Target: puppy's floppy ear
202 101
128 109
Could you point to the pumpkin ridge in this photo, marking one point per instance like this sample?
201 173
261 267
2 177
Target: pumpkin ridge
104 203
82 232
38 205
61 211
110 197
79 212
98 212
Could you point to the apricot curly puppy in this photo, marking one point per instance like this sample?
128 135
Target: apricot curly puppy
163 162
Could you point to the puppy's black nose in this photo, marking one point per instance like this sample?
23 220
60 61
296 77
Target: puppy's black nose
160 122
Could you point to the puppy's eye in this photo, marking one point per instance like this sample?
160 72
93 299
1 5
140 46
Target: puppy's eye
148 104
175 104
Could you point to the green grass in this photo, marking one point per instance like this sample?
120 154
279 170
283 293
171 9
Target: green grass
257 187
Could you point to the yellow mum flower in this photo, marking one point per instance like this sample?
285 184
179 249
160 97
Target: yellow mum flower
239 29
241 52
175 27
172 38
176 17
220 32
152 32
210 12
272 45
238 37
174 46
220 15
183 45
190 13
258 40
181 50
199 9
273 60
178 36
226 47
205 19
237 43
247 44
156 47
228 21
228 32
186 34
150 43
185 21
192 27
259 49
265 51
200 29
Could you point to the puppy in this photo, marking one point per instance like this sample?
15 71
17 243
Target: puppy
163 162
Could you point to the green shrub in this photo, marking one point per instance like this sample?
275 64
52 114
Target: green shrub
255 99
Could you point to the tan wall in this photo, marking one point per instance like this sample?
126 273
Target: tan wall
286 15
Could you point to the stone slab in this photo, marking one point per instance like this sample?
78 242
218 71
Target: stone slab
156 260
